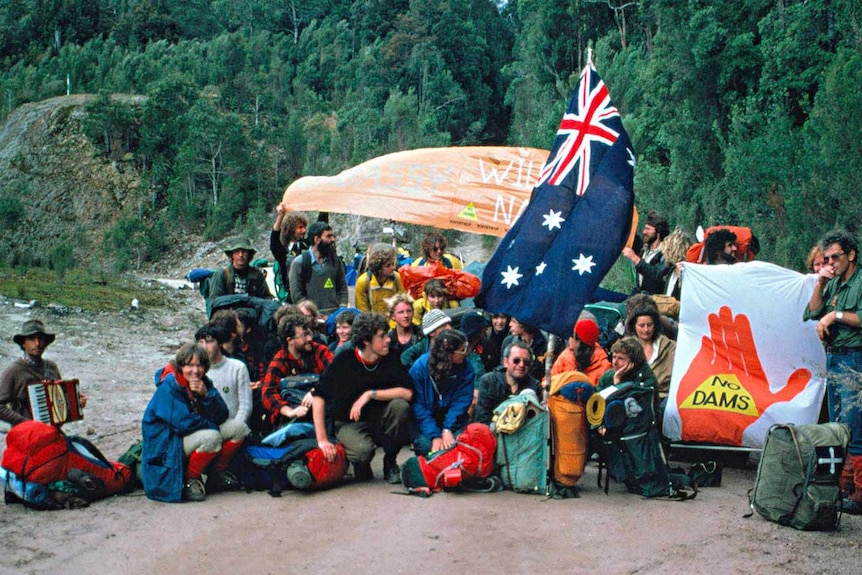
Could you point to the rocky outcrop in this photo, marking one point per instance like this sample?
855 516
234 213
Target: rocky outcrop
54 187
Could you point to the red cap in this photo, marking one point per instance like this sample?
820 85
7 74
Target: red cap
587 331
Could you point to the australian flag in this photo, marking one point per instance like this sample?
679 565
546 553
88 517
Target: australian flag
577 221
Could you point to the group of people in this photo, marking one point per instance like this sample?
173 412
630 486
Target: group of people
394 372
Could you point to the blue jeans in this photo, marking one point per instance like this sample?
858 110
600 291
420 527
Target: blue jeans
844 392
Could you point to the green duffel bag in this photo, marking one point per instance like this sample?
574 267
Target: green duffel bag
798 476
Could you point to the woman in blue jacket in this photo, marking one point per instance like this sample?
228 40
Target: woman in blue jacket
185 429
444 392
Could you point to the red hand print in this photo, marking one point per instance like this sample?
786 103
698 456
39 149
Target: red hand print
725 388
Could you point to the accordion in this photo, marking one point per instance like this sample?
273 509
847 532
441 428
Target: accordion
55 401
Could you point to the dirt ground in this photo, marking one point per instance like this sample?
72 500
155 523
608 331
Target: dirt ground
364 528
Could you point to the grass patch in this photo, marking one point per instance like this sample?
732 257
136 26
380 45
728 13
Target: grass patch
76 288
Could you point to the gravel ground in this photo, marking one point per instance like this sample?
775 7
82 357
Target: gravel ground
364 528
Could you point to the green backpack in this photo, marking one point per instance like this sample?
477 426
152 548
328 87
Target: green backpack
521 424
798 476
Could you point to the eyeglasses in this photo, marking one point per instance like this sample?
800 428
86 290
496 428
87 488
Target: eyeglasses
519 361
834 257
464 351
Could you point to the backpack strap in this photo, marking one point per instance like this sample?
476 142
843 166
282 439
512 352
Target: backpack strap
785 519
305 268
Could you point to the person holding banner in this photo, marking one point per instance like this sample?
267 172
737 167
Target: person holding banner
836 303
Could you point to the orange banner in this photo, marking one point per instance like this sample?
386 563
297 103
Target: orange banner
476 189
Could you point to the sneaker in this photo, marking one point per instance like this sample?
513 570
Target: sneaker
851 507
391 472
298 475
194 490
223 481
362 471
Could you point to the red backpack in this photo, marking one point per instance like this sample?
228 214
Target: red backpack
41 453
471 458
326 473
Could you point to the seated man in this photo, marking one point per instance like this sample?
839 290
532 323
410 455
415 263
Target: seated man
511 378
368 392
299 355
238 276
33 340
535 340
583 353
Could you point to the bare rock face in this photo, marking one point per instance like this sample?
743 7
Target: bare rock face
54 187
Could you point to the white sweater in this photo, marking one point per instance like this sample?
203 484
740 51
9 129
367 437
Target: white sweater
230 378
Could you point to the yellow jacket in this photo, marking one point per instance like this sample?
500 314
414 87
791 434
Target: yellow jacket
371 296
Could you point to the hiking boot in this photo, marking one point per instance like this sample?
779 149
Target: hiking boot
851 507
223 481
194 490
391 472
362 471
298 475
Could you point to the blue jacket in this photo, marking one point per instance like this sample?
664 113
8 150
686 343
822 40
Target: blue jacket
455 399
168 418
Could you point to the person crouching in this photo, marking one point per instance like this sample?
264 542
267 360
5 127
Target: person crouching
186 430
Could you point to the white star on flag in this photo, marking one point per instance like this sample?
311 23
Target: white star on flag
540 269
511 277
553 220
584 264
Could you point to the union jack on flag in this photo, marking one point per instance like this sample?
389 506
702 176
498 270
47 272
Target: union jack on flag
585 122
552 260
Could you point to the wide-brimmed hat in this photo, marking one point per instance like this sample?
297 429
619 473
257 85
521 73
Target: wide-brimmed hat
473 321
434 319
32 327
239 244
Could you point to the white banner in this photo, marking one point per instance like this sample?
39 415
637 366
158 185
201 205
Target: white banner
745 360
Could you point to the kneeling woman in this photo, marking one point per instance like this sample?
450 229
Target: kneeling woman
443 393
186 429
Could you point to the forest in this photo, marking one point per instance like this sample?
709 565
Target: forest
742 112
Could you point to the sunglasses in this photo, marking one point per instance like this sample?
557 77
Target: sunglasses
519 361
464 351
833 257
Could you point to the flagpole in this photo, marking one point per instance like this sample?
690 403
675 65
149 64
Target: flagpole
589 55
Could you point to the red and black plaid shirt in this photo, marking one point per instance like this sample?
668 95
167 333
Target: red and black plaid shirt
283 365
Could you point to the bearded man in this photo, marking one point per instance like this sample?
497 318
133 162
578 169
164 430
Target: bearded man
318 273
299 355
650 265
